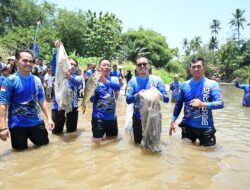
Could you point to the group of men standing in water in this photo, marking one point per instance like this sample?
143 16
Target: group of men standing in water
22 94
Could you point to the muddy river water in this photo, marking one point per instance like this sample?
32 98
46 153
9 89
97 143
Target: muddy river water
74 162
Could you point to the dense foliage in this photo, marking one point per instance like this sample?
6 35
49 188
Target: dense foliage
89 36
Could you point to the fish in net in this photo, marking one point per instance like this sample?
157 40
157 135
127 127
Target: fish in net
63 93
151 118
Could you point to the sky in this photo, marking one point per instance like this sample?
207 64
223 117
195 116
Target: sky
175 19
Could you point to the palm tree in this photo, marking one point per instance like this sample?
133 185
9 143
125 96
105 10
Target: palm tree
195 43
213 44
185 46
215 27
130 51
185 43
238 22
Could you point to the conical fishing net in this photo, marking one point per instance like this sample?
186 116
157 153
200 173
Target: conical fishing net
150 111
63 93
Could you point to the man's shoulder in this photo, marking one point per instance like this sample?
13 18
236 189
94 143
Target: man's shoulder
211 83
13 76
156 78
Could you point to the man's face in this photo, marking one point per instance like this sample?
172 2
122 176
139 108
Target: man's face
25 62
176 78
40 61
105 67
73 65
142 66
197 70
93 66
115 67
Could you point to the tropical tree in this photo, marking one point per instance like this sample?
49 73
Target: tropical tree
24 13
230 58
213 43
130 50
102 35
237 22
215 27
195 43
155 43
22 38
71 26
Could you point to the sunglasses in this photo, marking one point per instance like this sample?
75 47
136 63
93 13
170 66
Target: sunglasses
140 64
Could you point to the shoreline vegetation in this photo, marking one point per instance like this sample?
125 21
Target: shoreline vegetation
89 36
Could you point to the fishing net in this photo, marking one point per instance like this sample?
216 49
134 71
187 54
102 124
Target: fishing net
150 111
63 93
129 120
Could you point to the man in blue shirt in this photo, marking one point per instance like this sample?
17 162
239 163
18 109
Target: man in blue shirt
116 73
175 88
199 96
6 73
74 83
23 93
90 71
246 88
136 86
104 119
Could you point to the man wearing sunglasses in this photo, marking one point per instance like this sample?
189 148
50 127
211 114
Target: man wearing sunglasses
136 86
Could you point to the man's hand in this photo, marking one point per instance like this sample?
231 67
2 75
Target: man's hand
51 124
4 134
67 74
103 79
139 94
57 43
197 103
172 127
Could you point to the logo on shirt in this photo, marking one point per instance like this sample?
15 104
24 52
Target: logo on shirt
3 88
204 112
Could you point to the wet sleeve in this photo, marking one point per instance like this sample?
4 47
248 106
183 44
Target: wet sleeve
217 101
76 81
238 85
131 97
5 92
114 83
178 105
162 88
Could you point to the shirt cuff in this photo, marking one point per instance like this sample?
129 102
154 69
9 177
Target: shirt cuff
209 105
174 118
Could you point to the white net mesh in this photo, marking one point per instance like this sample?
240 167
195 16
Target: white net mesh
150 111
63 93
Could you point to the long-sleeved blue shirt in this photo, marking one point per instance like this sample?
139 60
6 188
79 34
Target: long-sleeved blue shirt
246 97
136 84
207 91
175 88
104 101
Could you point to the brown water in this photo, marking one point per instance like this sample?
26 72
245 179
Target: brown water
73 162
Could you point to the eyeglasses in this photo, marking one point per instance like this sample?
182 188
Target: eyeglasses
140 64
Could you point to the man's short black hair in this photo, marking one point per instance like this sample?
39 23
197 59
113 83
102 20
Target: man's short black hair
18 52
104 59
75 61
195 60
140 56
